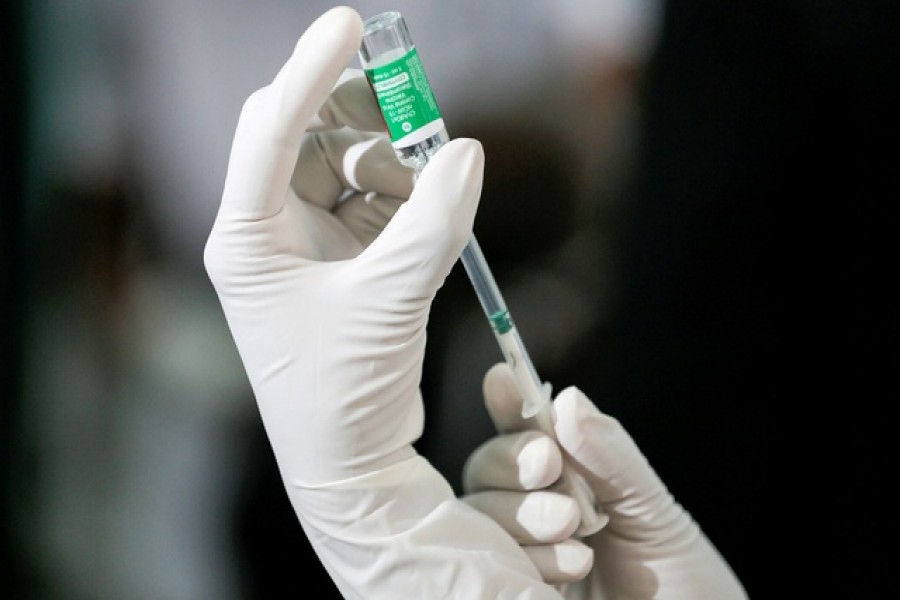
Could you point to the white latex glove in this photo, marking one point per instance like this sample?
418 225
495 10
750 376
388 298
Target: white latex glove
650 549
329 312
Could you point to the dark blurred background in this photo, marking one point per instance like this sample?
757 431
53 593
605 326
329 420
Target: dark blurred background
690 207
12 265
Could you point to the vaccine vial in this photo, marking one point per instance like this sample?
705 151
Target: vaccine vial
394 70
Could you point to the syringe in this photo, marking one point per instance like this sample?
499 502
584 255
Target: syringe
417 131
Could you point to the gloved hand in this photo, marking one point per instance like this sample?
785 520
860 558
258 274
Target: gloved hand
651 547
326 277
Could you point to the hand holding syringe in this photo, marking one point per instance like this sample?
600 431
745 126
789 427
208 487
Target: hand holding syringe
417 131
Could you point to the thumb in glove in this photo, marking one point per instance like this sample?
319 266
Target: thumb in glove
651 546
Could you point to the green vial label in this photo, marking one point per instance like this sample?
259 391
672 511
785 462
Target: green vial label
406 100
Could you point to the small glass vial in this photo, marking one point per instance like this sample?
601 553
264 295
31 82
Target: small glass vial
394 70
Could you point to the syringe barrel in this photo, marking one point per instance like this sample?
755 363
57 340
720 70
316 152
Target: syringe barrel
485 286
534 393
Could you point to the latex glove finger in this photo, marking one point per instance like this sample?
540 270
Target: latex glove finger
611 463
566 562
351 103
543 523
332 164
527 460
411 258
503 400
349 184
497 476
537 517
274 119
